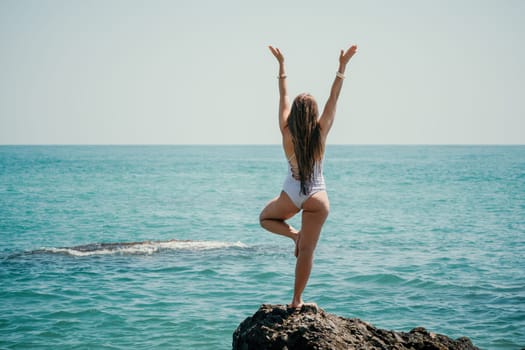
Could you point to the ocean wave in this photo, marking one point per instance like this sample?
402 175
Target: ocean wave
379 278
138 248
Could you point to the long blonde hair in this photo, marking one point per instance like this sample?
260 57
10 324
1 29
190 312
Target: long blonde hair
306 137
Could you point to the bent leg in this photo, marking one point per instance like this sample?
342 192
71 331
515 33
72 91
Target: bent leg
275 213
315 212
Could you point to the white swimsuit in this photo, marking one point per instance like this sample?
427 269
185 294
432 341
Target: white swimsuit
292 184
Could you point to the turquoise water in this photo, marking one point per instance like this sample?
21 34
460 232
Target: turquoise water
429 236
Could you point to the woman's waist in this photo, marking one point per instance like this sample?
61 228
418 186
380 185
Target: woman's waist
316 179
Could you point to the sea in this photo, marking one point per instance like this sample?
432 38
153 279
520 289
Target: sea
159 247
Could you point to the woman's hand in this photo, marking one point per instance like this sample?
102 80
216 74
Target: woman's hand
327 117
277 53
284 100
344 57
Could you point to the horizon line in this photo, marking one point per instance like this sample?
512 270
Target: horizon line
248 144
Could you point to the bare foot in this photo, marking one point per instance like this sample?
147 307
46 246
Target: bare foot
296 305
299 306
296 253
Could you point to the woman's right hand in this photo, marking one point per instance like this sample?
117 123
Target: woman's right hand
277 53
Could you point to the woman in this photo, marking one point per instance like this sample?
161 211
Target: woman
304 137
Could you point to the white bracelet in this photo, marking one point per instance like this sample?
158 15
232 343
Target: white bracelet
340 75
281 76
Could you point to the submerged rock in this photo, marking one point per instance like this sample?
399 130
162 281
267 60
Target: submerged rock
276 327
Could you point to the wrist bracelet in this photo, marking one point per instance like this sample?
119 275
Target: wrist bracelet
340 75
282 76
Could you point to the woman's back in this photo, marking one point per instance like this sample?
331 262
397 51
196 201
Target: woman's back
289 152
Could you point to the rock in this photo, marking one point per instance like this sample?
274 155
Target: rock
276 327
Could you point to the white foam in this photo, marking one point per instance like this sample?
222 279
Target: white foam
144 248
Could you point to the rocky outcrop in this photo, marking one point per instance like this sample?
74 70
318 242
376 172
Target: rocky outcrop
276 327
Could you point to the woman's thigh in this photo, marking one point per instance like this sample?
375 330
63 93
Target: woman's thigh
315 212
279 208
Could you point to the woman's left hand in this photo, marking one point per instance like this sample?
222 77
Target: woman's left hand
345 56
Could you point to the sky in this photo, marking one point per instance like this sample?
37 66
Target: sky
200 72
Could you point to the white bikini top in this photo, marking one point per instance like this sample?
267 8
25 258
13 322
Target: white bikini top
294 170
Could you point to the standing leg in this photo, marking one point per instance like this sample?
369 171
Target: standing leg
275 213
315 212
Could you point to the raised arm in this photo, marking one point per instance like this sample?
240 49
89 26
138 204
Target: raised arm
284 100
328 115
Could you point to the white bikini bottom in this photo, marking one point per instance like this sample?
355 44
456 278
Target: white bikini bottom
292 187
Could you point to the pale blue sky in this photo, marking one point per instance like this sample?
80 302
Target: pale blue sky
199 72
